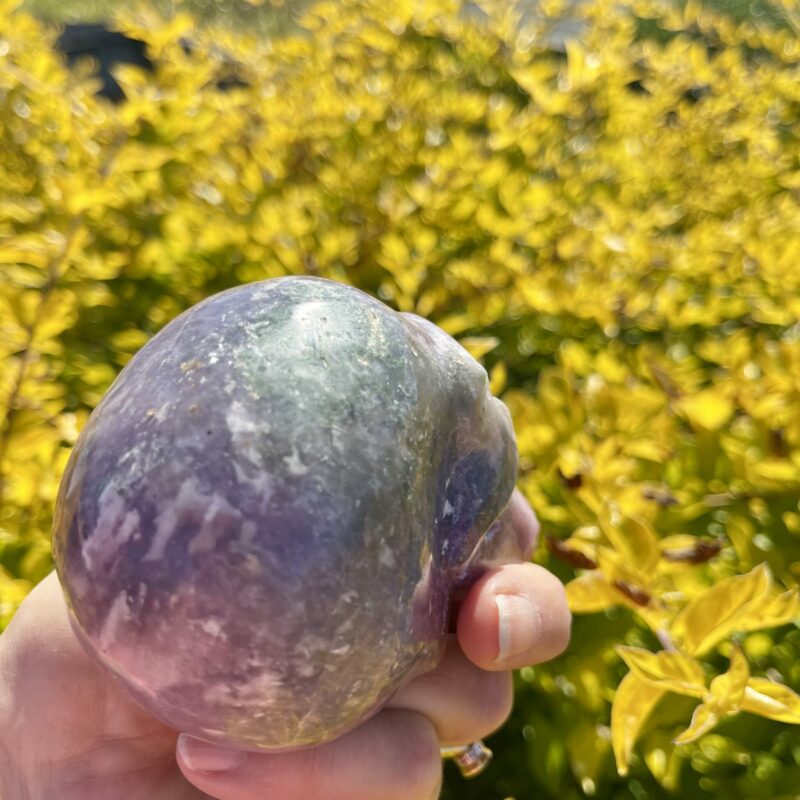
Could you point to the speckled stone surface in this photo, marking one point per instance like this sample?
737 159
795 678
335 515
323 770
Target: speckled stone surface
264 522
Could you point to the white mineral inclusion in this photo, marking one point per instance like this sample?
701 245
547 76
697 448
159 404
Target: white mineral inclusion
115 525
117 617
245 430
211 513
295 464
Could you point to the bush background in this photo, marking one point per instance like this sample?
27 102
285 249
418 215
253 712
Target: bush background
612 227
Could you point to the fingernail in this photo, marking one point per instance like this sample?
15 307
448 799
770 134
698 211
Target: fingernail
201 756
518 625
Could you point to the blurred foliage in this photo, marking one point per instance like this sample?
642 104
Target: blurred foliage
614 230
263 16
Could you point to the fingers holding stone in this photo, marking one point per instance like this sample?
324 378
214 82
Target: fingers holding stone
463 702
393 756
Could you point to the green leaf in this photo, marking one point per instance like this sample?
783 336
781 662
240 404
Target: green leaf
663 759
586 750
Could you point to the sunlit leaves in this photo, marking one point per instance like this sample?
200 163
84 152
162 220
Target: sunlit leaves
609 226
12 593
592 592
704 719
737 604
652 674
671 671
727 690
708 409
724 697
741 603
772 700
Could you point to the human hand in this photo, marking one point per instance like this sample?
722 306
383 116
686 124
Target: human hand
69 731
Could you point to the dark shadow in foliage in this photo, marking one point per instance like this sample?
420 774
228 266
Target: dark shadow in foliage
107 48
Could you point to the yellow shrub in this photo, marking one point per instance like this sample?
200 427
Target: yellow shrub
612 229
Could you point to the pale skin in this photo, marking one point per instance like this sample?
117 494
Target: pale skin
67 729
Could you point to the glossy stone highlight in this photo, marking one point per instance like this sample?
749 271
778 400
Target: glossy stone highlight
265 522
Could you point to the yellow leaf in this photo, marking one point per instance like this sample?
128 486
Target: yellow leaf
620 572
30 440
479 346
789 180
497 378
132 79
677 541
98 374
424 240
129 340
770 612
776 469
572 462
672 672
574 356
703 720
708 409
395 255
25 252
581 70
80 198
13 336
12 593
758 644
634 539
633 702
56 314
712 616
590 593
727 689
455 323
610 368
647 450
136 156
771 700
100 266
